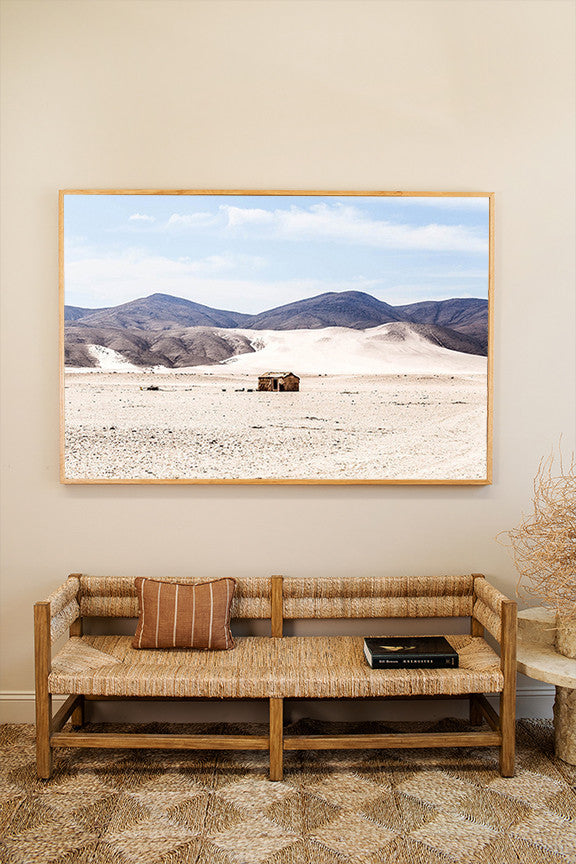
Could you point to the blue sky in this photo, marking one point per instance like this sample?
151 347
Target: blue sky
250 253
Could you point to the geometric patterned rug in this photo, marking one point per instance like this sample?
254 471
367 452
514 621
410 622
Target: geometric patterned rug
339 807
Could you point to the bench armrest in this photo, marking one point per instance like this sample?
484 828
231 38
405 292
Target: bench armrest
493 610
63 607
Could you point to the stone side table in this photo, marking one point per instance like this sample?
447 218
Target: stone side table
538 659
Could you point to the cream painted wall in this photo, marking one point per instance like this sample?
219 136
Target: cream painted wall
301 94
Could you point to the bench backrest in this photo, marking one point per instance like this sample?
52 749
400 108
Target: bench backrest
302 597
115 596
377 597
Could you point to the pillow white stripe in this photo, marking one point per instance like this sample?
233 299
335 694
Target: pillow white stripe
211 615
175 616
158 611
142 608
227 606
193 618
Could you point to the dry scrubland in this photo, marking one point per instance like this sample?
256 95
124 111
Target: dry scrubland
204 426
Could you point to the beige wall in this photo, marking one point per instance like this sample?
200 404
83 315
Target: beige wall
300 94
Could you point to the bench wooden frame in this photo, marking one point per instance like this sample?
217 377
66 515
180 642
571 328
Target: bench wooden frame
49 734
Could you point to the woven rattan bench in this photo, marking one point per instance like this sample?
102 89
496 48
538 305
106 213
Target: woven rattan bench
276 667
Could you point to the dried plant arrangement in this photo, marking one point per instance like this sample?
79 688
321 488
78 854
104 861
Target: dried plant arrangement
544 544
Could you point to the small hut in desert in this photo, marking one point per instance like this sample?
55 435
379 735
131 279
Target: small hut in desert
278 381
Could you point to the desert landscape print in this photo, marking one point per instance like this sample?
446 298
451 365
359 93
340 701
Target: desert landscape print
279 337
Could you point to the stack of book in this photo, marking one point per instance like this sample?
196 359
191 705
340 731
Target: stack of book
410 652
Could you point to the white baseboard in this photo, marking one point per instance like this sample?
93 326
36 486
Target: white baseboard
17 706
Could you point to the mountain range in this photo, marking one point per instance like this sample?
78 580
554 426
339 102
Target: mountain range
174 332
156 312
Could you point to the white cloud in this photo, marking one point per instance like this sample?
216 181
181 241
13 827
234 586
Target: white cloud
248 215
191 220
221 263
460 274
141 217
346 223
97 281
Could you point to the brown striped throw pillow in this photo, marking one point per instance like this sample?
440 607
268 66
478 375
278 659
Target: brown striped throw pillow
184 615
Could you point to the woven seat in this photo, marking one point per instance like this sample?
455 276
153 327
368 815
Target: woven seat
259 667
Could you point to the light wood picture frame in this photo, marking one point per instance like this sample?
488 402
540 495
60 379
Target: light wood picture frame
276 337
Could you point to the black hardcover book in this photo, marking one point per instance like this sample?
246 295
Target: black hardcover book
410 652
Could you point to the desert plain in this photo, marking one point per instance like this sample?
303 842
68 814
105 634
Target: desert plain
211 423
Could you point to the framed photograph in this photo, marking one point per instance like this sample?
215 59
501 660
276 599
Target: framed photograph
276 337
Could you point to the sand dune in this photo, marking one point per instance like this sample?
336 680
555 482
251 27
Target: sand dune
389 349
109 360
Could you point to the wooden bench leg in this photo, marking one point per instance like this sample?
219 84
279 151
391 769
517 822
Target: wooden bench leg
476 717
43 751
276 739
508 729
77 716
508 695
43 697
